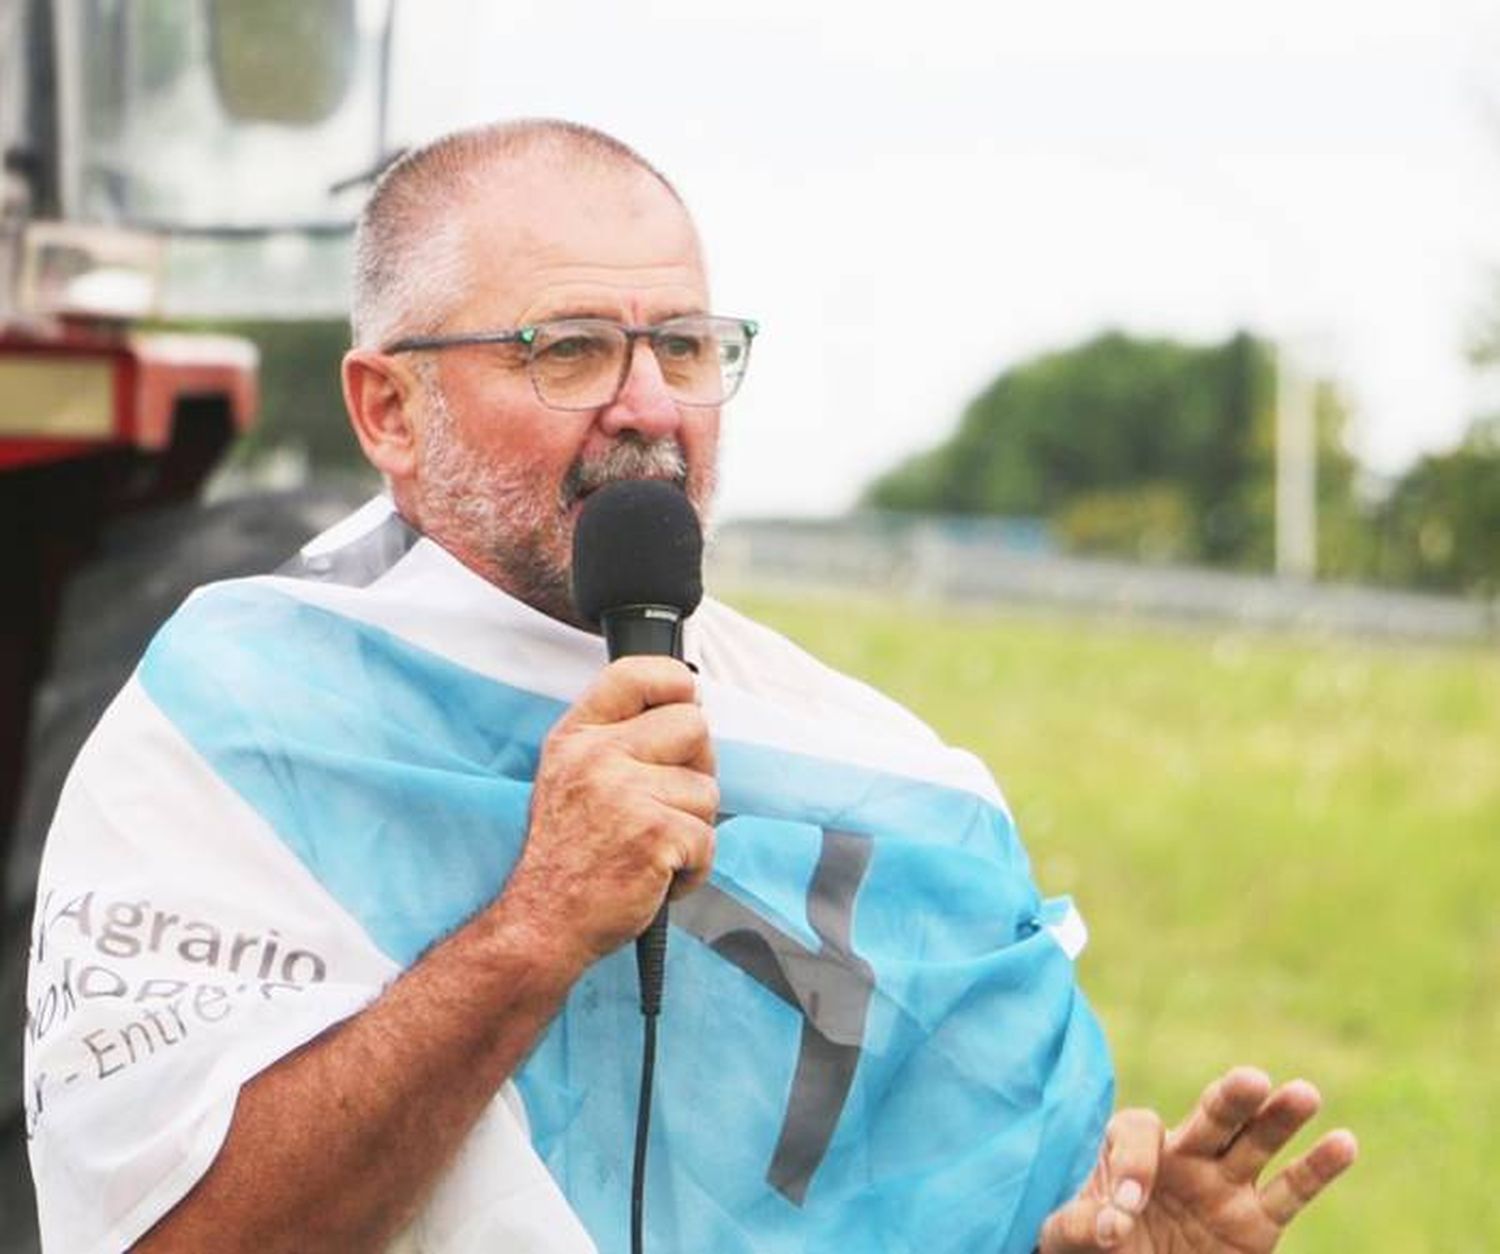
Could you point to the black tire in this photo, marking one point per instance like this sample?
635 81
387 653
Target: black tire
147 563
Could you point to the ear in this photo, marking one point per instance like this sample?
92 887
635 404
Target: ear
380 395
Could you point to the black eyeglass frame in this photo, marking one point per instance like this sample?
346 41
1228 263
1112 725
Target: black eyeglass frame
527 335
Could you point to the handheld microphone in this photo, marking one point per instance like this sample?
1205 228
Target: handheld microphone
638 565
637 574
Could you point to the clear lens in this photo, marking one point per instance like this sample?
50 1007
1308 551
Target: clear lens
577 364
580 363
702 359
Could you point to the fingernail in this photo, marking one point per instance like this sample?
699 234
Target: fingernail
1128 1195
1107 1226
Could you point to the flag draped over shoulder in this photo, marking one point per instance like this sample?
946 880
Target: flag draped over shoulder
872 1038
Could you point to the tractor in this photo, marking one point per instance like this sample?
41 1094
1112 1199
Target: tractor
165 161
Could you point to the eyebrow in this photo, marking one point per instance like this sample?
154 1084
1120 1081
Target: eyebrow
563 312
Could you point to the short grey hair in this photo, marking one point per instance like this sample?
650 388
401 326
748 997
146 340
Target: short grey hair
408 245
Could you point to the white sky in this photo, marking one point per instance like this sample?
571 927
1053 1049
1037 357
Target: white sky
911 197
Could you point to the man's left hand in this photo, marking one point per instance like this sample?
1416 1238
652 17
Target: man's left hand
1197 1189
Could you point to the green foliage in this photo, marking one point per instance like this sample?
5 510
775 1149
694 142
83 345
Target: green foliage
1442 522
1285 851
1152 523
914 485
301 401
1347 526
1128 446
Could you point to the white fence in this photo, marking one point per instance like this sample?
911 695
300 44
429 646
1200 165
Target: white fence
961 562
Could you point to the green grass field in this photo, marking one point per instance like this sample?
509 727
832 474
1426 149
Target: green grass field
1288 853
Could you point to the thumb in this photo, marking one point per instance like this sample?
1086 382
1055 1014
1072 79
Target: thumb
1084 1226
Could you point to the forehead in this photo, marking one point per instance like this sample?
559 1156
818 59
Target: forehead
546 240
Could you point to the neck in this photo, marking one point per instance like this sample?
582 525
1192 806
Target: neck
527 576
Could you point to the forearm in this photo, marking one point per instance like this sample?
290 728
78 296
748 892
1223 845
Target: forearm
336 1145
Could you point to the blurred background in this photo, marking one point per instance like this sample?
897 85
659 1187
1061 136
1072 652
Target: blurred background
1125 403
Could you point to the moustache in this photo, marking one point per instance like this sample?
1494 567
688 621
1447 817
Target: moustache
631 458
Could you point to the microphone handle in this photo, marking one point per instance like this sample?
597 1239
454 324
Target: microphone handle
651 962
643 631
646 631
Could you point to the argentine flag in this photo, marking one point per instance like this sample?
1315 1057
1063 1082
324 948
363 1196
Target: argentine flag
872 1037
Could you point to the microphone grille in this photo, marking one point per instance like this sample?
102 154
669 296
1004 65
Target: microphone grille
637 542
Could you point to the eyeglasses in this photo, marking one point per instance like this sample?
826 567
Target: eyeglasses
581 363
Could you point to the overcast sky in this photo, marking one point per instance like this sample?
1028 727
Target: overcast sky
911 197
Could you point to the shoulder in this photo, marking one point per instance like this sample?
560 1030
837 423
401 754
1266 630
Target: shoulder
734 649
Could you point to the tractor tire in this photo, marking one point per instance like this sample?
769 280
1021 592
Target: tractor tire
145 566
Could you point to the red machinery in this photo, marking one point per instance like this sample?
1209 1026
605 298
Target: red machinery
162 158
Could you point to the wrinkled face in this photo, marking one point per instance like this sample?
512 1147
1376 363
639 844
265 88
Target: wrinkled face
500 476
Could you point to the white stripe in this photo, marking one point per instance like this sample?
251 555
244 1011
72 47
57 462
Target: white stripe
347 530
433 601
1070 932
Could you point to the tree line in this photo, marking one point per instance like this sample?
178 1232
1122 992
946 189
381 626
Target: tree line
1156 450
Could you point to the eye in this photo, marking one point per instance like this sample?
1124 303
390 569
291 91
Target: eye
572 347
679 347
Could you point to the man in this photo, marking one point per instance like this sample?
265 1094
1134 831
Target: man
327 952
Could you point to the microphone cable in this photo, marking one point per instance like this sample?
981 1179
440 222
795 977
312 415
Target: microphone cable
650 961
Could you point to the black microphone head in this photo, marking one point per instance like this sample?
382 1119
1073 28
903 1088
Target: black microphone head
636 542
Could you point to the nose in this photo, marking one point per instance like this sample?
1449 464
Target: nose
644 405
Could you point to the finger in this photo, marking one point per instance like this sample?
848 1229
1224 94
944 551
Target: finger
1084 1226
1103 1216
1132 1151
670 735
1304 1179
1225 1107
685 789
696 858
629 685
1277 1121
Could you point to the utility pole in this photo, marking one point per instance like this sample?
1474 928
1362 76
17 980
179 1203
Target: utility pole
1296 470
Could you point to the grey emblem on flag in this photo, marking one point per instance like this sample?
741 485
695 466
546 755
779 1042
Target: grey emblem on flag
830 986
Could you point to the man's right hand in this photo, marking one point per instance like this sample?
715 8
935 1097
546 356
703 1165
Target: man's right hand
622 812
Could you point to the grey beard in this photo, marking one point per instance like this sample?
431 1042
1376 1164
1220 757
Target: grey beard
494 518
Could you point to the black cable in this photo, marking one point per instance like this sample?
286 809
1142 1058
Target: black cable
642 1130
650 962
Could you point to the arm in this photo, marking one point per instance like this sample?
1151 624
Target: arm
336 1145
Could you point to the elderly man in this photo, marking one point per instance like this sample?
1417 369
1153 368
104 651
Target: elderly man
327 951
